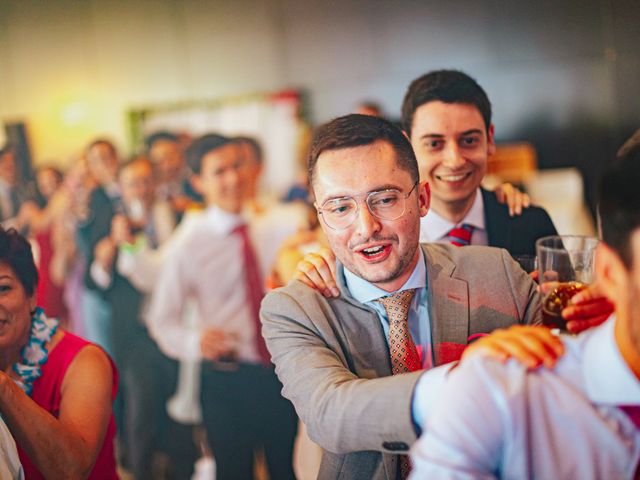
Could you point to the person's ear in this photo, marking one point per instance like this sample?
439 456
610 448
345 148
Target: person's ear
196 182
610 271
491 144
424 197
33 303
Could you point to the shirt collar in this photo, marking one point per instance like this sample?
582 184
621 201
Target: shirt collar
608 379
434 227
364 291
222 221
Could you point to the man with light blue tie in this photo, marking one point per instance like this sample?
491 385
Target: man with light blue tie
578 420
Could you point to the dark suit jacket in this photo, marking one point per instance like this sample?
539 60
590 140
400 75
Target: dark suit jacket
518 234
96 227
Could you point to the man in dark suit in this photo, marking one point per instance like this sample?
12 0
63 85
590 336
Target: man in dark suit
447 117
148 378
104 202
172 173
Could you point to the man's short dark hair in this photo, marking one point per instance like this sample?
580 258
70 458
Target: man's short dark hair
619 204
158 136
357 130
448 86
134 160
103 141
254 144
203 145
372 106
55 171
15 251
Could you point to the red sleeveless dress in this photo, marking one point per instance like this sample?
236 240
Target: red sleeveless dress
46 393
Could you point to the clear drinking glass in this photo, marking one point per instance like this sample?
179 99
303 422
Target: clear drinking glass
565 267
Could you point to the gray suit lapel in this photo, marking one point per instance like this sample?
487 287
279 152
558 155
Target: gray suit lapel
364 335
448 301
368 348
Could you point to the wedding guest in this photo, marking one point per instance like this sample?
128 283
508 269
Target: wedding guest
56 389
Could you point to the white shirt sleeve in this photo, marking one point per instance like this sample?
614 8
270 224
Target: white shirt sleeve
175 328
100 276
426 392
10 466
141 267
465 426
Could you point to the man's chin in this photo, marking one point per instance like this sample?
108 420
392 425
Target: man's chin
376 275
456 197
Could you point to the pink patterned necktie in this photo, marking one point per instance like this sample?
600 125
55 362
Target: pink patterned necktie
633 412
461 236
254 288
404 355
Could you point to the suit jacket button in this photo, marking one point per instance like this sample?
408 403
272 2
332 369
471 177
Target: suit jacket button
395 446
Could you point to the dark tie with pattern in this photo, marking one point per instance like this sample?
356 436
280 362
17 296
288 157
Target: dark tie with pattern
404 355
254 287
461 236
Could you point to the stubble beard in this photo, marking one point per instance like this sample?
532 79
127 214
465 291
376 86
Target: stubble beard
380 277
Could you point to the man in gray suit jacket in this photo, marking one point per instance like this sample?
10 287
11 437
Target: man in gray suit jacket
332 354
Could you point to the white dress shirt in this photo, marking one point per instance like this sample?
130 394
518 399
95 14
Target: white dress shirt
434 227
494 420
204 266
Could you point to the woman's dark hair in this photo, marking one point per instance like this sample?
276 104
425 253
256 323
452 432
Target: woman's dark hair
15 251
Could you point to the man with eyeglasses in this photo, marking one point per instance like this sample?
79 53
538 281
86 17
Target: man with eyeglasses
350 364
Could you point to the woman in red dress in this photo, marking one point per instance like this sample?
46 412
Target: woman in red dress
56 389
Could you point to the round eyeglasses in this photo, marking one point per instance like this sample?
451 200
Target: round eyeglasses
340 213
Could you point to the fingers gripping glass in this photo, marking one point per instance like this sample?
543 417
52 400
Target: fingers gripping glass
390 204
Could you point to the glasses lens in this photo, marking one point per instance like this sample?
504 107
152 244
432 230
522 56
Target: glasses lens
339 213
387 205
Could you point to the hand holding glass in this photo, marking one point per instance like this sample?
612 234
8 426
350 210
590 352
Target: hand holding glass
565 267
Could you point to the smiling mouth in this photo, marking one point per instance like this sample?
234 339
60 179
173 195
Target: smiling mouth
373 250
375 253
454 178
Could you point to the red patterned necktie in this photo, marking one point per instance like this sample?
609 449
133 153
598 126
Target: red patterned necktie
404 355
254 288
633 412
461 236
